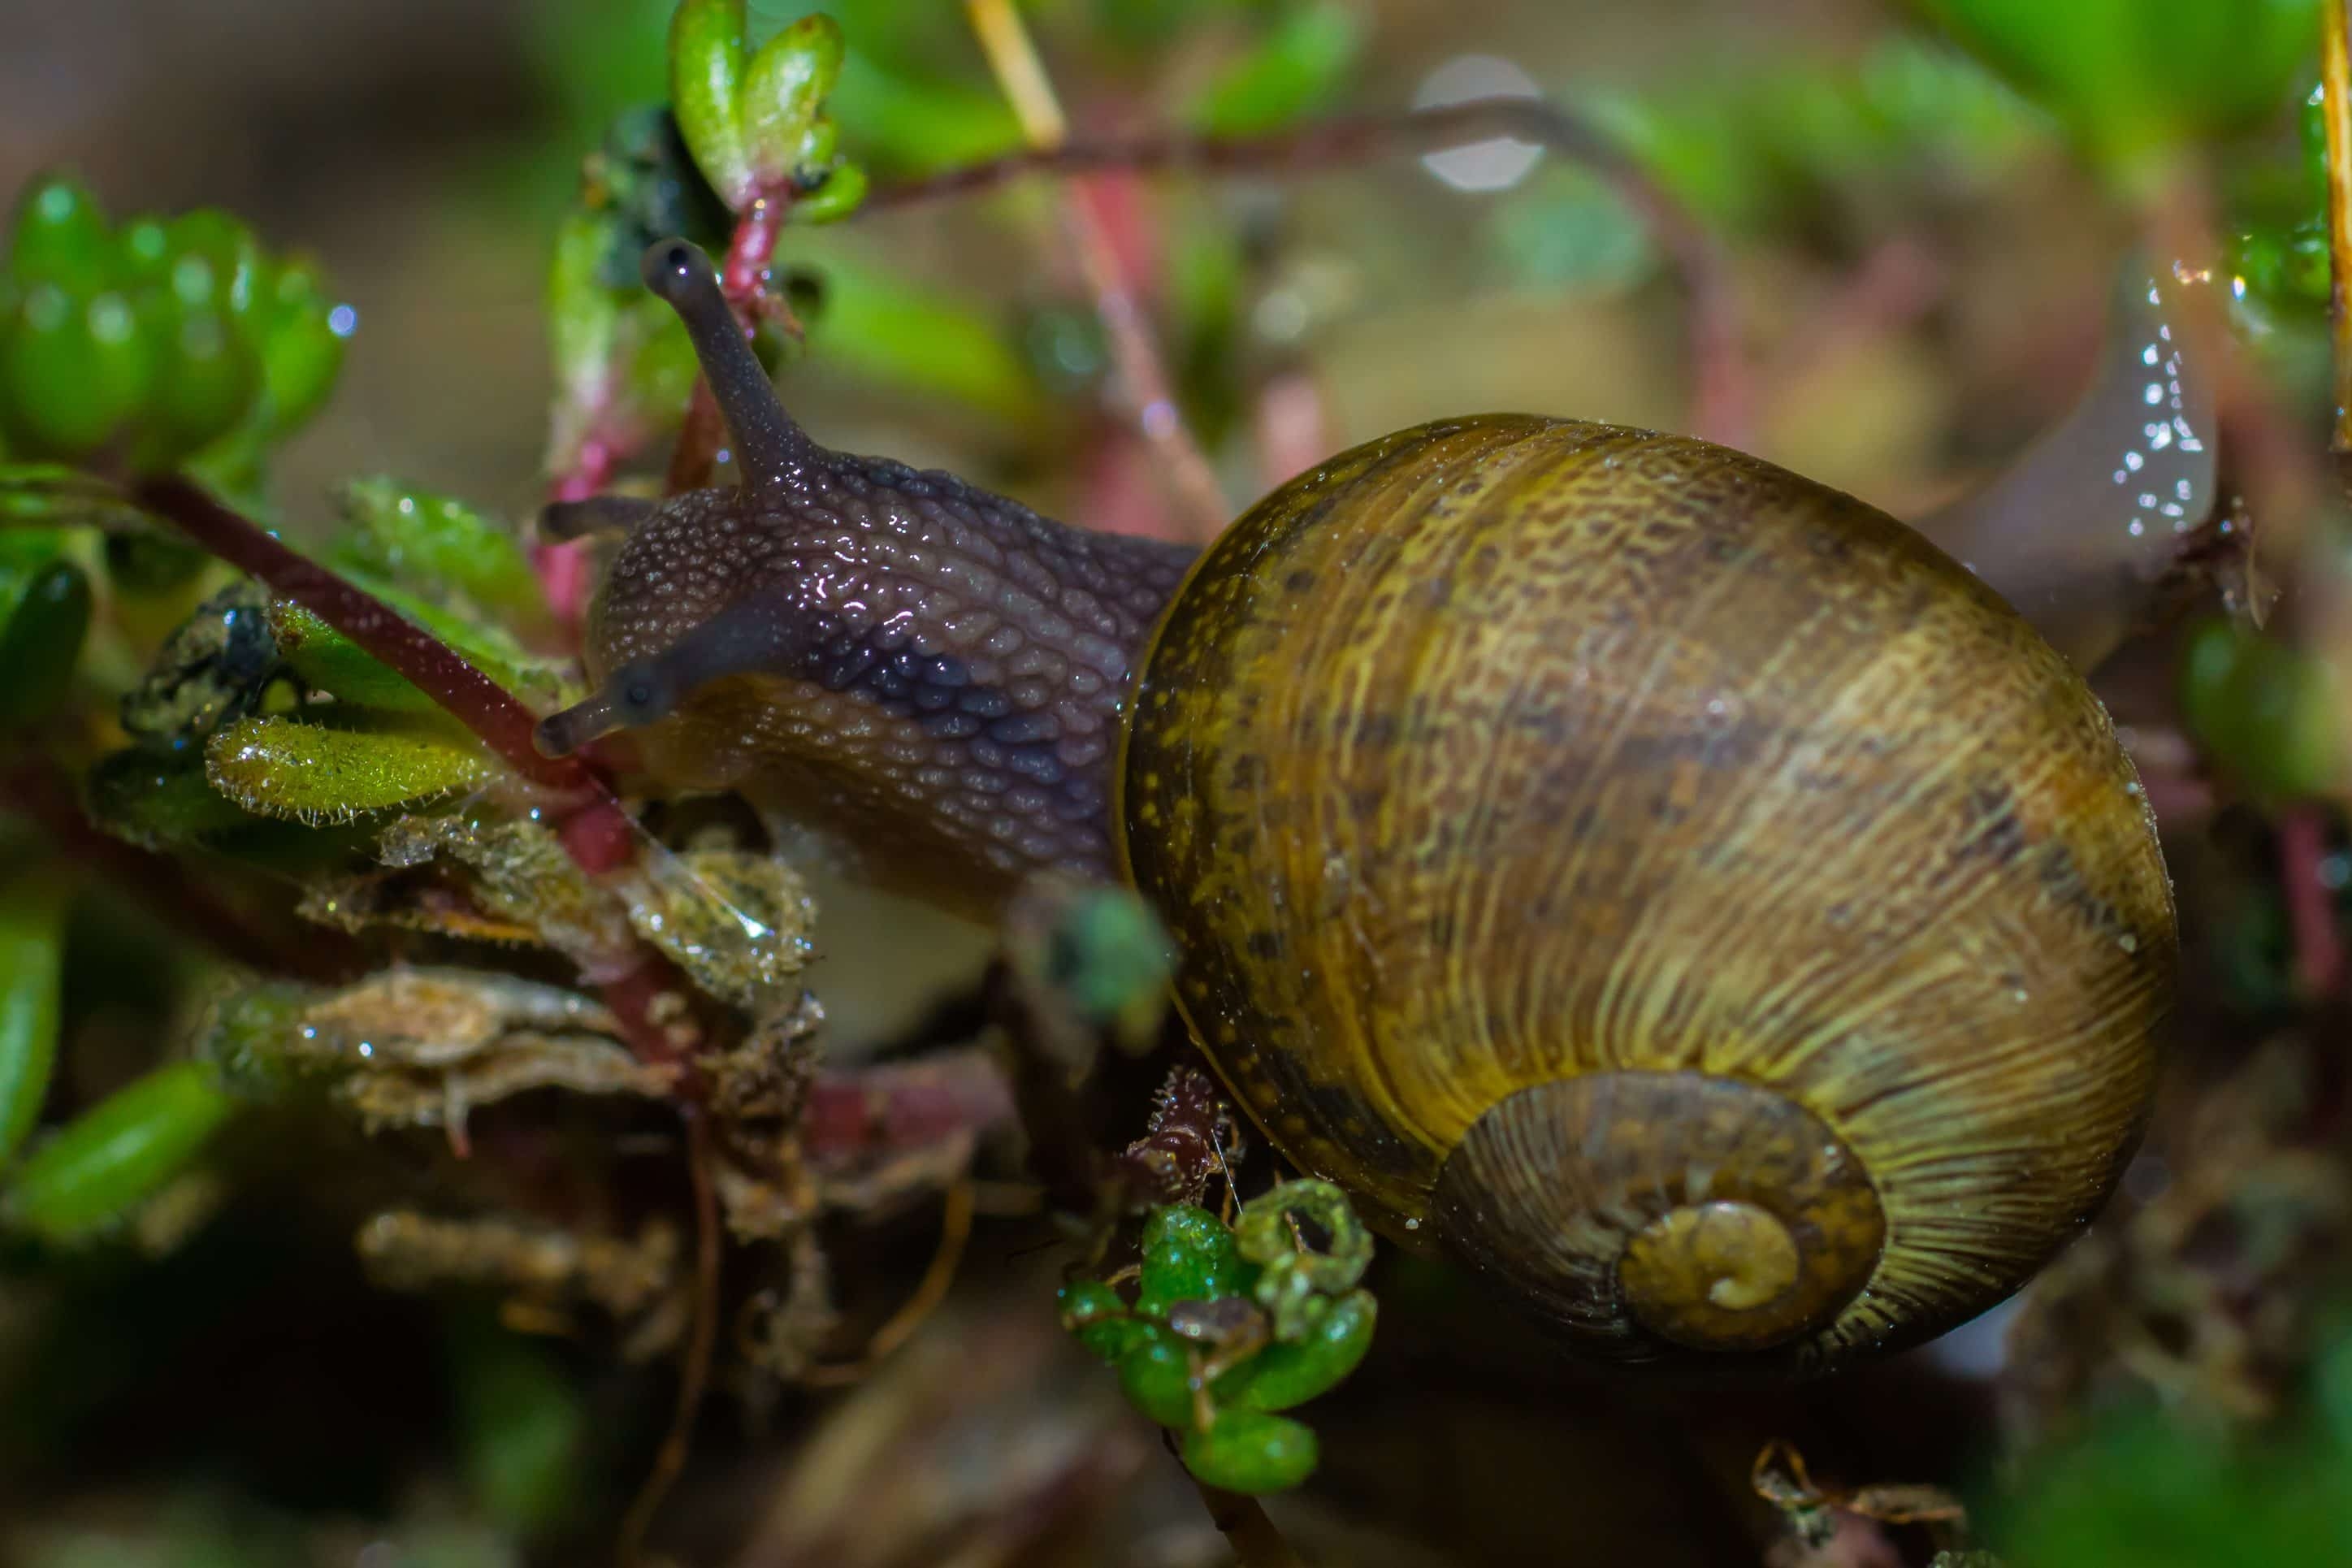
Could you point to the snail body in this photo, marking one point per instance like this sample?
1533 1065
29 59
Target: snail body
1670 888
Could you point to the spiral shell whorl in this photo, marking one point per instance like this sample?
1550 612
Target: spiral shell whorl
1647 1206
1503 754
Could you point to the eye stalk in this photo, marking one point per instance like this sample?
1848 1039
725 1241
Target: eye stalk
770 445
636 695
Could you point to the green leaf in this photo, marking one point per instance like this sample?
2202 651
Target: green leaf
2271 714
309 773
159 802
879 325
1251 1453
41 643
1155 1373
523 1427
1289 1372
117 1153
334 664
843 192
1297 68
707 65
32 958
784 92
2131 76
435 543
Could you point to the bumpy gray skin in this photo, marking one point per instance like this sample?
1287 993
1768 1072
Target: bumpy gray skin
897 656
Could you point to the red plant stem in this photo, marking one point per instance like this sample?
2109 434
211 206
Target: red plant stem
1722 392
468 695
2310 914
587 817
41 793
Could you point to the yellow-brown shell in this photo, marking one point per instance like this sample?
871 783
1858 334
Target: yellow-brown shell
1666 885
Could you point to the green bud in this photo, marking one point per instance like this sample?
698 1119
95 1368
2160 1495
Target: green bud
309 773
213 261
1291 1373
117 1154
843 192
1251 1453
32 957
1188 1255
205 381
74 368
784 92
61 237
302 340
1093 1314
143 251
41 643
1155 1372
707 68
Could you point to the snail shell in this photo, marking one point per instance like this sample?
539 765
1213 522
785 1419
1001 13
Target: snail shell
1669 885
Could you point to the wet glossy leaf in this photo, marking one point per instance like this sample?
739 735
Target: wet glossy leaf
784 92
436 543
309 773
122 1151
708 60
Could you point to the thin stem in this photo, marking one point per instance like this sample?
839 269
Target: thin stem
955 1232
1255 1539
473 698
1722 393
694 1373
1142 378
589 819
2311 909
2335 111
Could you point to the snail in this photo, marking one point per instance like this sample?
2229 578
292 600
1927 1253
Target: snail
1672 888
